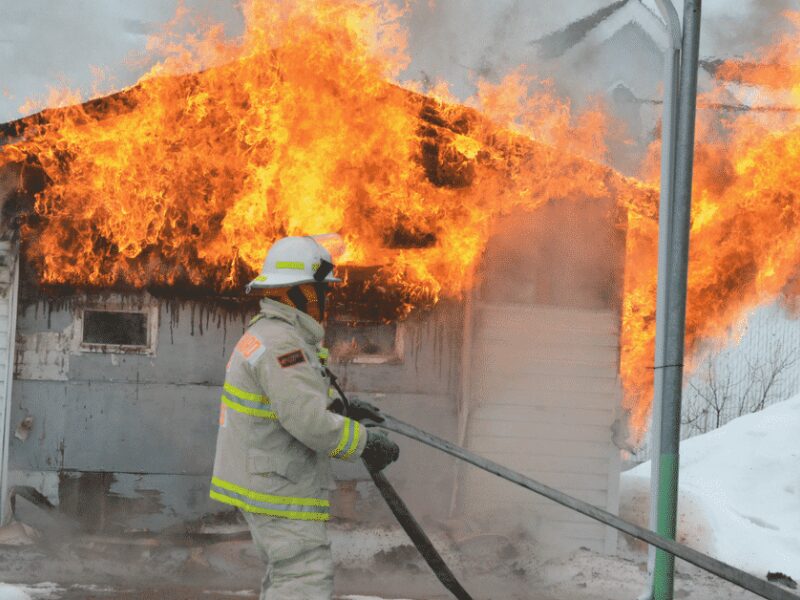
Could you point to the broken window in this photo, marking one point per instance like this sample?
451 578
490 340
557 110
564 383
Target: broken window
116 331
364 342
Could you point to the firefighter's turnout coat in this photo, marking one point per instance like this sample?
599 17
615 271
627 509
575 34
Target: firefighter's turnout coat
276 436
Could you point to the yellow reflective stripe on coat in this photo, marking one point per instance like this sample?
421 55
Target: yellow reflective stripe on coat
351 433
244 395
248 403
243 407
288 507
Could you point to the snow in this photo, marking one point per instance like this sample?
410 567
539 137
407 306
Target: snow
12 592
40 591
363 598
740 490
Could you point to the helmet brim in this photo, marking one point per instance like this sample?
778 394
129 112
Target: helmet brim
280 280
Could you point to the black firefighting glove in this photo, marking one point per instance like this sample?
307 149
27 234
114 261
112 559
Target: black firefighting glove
360 410
380 451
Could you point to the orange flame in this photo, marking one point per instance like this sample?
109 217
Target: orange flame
745 235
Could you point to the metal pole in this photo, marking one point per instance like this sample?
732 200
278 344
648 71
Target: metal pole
12 294
669 121
671 370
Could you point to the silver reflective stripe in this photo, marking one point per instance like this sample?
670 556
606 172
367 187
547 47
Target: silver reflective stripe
282 508
248 403
353 444
348 443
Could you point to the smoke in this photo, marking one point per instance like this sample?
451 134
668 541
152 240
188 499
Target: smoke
90 47
558 255
739 28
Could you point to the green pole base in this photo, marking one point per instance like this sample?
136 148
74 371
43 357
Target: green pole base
664 568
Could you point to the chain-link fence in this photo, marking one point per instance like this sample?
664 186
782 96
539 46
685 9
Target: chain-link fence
758 365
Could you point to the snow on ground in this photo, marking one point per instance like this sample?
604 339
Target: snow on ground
40 591
12 592
361 598
739 491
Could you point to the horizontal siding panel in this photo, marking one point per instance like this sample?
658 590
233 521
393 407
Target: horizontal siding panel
553 511
576 448
544 393
514 316
487 493
523 431
543 463
581 484
537 334
576 394
491 352
500 413
513 369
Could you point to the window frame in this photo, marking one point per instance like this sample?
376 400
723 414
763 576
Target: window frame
147 308
396 356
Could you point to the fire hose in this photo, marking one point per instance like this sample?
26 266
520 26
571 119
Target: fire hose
407 521
745 580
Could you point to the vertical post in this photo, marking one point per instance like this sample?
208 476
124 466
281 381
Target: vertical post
671 370
669 122
5 398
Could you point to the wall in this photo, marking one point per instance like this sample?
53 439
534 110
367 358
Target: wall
544 390
126 441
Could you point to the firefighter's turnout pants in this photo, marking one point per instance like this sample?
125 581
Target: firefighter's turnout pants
297 555
275 442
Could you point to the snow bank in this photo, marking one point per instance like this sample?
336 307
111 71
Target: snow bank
360 598
740 484
38 591
12 592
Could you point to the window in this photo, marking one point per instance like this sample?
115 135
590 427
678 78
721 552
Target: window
117 328
113 329
365 342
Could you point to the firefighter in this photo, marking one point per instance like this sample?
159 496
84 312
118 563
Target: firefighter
278 429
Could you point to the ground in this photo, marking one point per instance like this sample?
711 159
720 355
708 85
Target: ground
89 568
738 502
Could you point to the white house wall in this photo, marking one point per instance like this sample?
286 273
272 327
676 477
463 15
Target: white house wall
544 392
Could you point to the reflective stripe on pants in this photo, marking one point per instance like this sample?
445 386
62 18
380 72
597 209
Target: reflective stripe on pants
299 565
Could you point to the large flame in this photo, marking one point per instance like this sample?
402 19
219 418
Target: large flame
222 147
745 234
295 128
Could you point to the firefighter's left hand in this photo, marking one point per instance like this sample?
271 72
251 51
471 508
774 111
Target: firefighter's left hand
360 410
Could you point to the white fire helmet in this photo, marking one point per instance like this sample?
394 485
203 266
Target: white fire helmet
296 260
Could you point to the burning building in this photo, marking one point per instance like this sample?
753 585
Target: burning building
116 381
142 214
499 283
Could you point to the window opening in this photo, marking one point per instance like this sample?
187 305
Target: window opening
364 342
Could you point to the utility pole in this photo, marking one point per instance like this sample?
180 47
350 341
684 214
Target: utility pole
670 371
669 123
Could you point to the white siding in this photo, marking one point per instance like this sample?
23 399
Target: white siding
8 312
544 395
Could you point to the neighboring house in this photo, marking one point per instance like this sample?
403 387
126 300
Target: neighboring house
618 54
